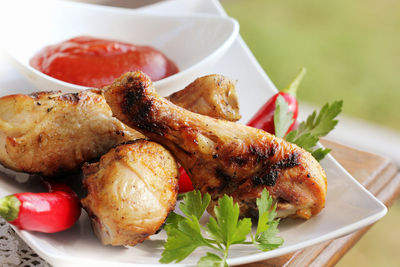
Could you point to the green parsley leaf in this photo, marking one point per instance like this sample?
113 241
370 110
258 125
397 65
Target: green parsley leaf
267 228
228 229
268 239
306 141
183 238
242 230
265 213
320 153
193 204
211 260
214 230
282 117
174 218
316 126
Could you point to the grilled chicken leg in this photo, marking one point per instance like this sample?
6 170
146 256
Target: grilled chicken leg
131 191
50 133
222 157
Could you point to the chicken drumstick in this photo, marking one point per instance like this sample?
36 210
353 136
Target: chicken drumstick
131 191
223 157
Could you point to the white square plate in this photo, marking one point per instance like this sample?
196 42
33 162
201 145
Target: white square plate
348 207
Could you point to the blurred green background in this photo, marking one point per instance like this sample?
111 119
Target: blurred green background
351 50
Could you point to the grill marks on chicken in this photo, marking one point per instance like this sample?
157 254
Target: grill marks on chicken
131 191
50 133
222 157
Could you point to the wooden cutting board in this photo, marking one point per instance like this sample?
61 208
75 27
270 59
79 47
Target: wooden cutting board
378 174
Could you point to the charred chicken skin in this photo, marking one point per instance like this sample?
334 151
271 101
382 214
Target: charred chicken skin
131 191
223 157
50 133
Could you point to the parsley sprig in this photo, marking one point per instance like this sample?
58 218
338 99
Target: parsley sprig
315 126
282 117
185 233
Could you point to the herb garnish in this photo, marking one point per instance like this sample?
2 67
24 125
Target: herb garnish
309 131
185 233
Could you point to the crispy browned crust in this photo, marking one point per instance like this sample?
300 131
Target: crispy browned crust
131 191
222 157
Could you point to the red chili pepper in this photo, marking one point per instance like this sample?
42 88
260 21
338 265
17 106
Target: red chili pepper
50 212
185 184
264 118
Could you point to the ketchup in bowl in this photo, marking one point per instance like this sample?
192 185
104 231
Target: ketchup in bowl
97 62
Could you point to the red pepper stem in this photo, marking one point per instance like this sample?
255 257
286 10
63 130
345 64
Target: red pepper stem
292 88
9 207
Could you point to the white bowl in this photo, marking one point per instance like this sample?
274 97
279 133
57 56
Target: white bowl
193 42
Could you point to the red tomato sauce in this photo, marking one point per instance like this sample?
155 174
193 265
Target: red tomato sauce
96 62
